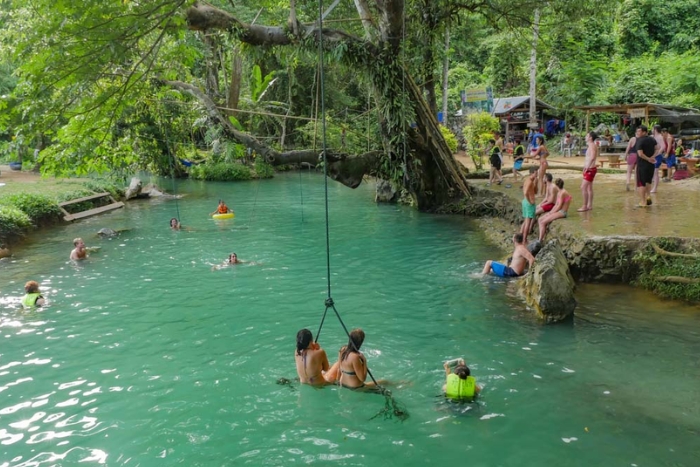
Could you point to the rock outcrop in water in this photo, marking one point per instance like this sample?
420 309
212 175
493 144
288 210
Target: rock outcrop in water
549 287
137 190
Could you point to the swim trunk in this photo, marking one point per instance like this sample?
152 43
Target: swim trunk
645 174
589 174
632 158
529 209
502 270
518 164
496 165
659 161
671 161
547 207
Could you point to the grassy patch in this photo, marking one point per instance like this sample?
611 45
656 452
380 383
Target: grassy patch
28 202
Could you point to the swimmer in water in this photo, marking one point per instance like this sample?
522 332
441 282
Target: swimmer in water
175 224
459 385
312 362
79 252
232 260
32 295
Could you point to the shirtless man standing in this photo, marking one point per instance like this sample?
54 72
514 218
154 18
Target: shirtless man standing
590 169
529 207
517 264
659 156
79 252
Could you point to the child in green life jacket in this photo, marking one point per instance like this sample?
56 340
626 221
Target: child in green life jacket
460 385
32 297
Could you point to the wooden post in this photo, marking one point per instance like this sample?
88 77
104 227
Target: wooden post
588 121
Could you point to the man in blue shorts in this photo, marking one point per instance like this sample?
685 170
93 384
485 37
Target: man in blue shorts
517 264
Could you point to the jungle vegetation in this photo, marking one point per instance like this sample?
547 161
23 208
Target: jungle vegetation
114 86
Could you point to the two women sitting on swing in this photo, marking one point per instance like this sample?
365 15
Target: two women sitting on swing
350 371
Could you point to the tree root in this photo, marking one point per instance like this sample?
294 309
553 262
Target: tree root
663 252
677 279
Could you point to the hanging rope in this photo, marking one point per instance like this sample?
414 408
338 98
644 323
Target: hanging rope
391 407
171 157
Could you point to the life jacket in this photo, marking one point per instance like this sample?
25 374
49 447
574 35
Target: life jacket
457 388
29 300
495 155
519 151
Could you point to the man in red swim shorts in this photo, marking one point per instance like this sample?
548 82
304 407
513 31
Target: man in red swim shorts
589 170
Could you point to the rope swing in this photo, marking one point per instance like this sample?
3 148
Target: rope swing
171 157
391 407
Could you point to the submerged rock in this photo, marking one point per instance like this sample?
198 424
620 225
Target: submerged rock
549 287
107 232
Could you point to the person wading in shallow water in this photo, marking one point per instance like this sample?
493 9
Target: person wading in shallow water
517 265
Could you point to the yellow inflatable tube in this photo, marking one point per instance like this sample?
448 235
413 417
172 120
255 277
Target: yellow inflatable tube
228 215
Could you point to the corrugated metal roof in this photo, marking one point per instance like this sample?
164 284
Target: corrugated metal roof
503 105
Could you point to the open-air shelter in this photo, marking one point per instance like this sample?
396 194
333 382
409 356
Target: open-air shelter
644 111
514 113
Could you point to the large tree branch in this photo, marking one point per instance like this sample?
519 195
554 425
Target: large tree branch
344 168
366 17
201 17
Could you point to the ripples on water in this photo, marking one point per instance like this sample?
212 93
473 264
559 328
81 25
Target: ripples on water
147 356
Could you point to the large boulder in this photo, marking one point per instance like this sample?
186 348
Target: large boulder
134 188
549 287
385 192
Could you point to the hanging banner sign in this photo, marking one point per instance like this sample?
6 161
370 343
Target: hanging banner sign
637 113
477 100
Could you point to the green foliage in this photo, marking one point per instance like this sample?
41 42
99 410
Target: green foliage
39 208
263 169
477 133
450 138
117 190
654 266
221 171
13 222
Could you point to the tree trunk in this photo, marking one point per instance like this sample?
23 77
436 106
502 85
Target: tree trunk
533 71
418 159
234 89
445 73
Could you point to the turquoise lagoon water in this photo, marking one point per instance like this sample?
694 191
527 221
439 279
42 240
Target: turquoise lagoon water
146 356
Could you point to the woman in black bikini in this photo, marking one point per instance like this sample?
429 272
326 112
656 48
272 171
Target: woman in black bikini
353 365
312 362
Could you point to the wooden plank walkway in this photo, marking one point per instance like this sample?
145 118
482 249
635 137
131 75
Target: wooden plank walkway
68 217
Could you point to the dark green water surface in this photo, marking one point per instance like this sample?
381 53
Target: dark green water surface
146 356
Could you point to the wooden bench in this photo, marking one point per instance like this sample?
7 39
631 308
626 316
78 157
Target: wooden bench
613 159
90 212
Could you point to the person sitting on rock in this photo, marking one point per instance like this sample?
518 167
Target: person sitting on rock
559 211
517 264
460 385
32 295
